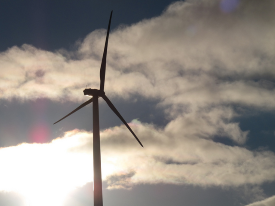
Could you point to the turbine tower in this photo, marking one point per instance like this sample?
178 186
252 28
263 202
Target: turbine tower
95 93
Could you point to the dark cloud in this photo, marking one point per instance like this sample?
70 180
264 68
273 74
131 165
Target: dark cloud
120 181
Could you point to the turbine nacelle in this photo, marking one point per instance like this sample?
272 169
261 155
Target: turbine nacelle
93 92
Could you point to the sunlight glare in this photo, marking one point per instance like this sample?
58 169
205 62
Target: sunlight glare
46 173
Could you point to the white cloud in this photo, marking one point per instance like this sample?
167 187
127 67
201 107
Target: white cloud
193 58
192 54
170 155
174 156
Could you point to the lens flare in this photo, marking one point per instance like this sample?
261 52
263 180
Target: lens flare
39 133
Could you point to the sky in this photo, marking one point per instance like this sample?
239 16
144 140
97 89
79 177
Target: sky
194 79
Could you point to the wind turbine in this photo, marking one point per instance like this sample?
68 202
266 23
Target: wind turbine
95 93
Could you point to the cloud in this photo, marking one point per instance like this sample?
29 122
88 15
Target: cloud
194 59
168 156
45 172
191 59
251 193
192 54
120 181
177 157
267 202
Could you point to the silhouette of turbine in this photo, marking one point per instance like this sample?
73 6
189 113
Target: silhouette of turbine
95 93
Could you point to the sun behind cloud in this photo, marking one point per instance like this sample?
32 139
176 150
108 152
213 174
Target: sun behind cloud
46 173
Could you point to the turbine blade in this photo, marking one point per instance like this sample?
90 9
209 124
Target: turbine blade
78 108
110 104
104 57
